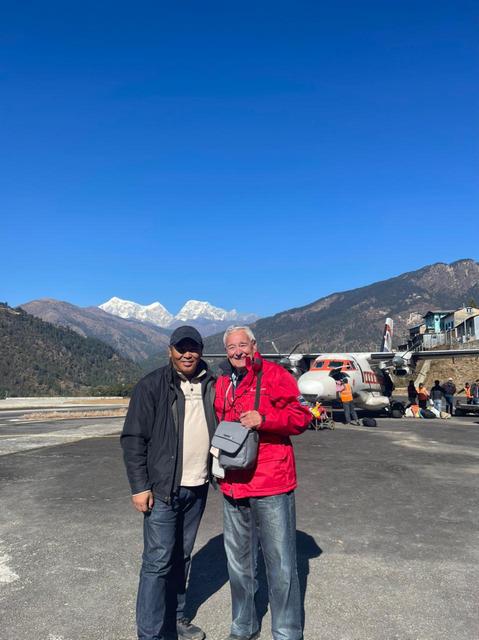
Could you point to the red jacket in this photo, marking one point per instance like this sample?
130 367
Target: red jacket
284 416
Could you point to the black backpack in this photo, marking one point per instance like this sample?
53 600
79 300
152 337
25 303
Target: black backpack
427 414
397 407
369 422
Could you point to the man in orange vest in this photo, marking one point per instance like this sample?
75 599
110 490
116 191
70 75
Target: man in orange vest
346 397
467 389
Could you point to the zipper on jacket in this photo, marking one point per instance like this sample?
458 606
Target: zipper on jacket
176 417
208 395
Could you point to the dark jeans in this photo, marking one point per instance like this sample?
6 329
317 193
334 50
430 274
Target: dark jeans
169 533
449 403
349 412
271 521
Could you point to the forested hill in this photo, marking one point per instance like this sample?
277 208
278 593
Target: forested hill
38 358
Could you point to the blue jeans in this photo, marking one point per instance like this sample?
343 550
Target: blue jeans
438 404
449 403
169 532
349 412
271 521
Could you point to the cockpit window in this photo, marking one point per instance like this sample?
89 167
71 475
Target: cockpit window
331 365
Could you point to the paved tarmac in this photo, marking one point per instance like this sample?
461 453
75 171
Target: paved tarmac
387 534
57 402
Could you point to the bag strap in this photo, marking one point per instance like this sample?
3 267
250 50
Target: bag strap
258 389
224 401
257 396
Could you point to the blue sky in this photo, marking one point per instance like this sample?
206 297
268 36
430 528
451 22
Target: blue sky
258 155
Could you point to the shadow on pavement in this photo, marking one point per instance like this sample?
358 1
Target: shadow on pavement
209 573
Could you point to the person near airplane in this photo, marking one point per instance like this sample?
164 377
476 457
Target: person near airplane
422 396
411 392
437 393
166 441
449 391
467 391
259 503
475 392
346 396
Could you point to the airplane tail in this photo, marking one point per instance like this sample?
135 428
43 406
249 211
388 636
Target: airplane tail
387 343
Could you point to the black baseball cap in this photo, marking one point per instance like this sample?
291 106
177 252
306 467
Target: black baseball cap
185 332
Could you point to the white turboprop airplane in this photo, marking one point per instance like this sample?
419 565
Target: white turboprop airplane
368 372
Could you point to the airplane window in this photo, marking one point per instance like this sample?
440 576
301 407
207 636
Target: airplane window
318 365
336 364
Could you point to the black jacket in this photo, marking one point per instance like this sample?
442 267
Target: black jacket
449 388
437 392
152 437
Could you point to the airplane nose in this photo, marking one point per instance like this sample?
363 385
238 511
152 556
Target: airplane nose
310 387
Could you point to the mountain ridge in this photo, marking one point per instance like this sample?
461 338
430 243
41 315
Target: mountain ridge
156 313
133 339
353 320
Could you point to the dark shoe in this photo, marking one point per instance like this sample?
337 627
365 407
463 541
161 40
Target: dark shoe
251 637
188 631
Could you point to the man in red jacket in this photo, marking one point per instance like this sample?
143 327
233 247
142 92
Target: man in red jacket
259 503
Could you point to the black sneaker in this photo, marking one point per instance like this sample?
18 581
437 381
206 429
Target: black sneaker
188 631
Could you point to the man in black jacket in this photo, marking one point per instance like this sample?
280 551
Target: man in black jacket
449 391
436 395
166 441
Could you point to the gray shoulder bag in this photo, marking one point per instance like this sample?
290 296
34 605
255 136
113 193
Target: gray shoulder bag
238 445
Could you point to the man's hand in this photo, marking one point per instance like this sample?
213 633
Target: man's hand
251 419
143 501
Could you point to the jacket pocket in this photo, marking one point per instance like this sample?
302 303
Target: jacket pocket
268 451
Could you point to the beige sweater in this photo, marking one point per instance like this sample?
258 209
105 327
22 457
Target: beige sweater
196 439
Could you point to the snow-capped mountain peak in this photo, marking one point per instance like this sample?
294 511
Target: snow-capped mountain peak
155 313
197 312
194 309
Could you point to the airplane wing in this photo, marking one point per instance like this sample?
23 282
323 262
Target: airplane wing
270 356
423 355
279 356
444 353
